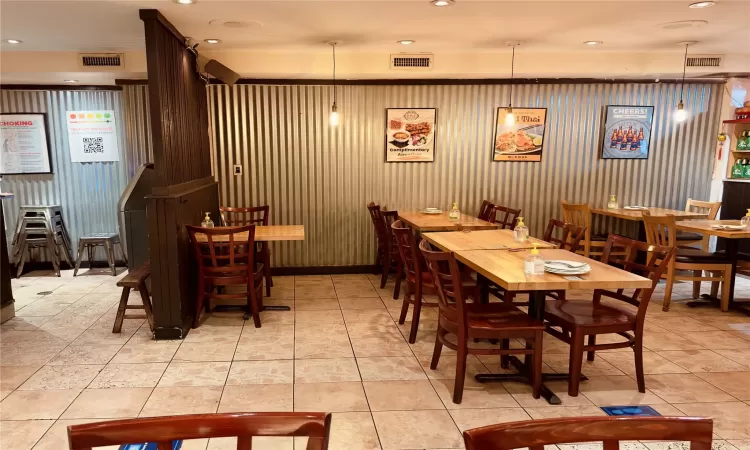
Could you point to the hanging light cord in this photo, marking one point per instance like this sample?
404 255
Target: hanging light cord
684 68
512 73
334 74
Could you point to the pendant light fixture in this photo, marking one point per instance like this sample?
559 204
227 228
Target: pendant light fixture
510 118
681 114
334 119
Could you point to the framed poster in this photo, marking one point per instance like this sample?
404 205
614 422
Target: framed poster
25 144
627 132
522 141
410 134
92 136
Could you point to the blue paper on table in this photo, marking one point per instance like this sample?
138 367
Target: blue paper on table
635 410
149 446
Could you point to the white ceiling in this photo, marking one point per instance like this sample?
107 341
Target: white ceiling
467 26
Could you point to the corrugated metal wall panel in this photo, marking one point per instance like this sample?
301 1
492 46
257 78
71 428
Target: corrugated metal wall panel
321 177
137 127
88 192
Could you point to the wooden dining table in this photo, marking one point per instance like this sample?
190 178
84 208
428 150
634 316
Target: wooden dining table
506 269
731 241
636 215
482 240
423 222
263 233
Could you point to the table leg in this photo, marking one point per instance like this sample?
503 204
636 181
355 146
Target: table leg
731 251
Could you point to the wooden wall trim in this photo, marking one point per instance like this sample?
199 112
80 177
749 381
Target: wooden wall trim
461 81
57 87
131 82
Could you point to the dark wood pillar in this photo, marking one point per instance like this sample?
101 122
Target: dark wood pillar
182 162
6 292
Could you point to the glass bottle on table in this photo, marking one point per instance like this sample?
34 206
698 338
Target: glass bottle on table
612 203
520 232
207 222
454 213
746 220
533 263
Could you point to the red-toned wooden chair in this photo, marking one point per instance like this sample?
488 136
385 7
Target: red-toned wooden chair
390 217
506 217
315 426
227 260
387 256
485 211
535 434
579 319
477 321
256 215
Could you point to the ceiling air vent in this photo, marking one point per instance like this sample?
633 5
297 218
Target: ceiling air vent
705 61
414 61
101 61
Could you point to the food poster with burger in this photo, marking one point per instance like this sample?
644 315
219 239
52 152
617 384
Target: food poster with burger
410 135
524 139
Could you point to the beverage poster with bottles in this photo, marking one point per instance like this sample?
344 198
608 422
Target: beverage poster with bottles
521 139
627 132
410 134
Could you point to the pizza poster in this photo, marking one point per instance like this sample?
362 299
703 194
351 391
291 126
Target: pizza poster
627 132
92 136
25 149
410 134
522 141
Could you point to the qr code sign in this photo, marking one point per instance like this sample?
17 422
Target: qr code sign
93 145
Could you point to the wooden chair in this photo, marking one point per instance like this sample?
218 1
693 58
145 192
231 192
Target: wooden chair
390 218
256 215
565 236
687 238
164 430
387 256
535 434
135 279
661 230
506 217
228 263
485 211
578 319
580 214
467 321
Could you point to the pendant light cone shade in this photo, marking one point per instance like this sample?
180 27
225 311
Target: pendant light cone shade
510 118
333 120
681 114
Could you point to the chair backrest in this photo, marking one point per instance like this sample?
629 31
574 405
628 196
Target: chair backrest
229 260
577 214
407 248
506 217
389 217
447 277
565 235
657 258
660 230
535 434
164 430
378 221
485 211
701 207
257 215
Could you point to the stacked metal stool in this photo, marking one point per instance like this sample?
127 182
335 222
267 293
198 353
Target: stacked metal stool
41 227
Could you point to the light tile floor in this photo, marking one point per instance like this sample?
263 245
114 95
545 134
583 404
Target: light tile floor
339 350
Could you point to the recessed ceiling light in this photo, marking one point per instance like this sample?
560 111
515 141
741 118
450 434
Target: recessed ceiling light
71 81
212 41
701 5
593 42
406 41
13 41
185 2
442 2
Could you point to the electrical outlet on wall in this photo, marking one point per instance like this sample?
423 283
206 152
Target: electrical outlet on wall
238 169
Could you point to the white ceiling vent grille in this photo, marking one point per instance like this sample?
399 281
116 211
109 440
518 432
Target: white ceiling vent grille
705 61
101 61
412 61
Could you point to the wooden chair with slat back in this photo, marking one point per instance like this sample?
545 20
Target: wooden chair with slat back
506 217
477 321
387 257
228 263
572 321
711 209
485 211
566 236
661 230
535 434
580 214
256 215
316 426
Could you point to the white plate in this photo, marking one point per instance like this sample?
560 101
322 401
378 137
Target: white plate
432 211
568 272
580 268
636 207
728 227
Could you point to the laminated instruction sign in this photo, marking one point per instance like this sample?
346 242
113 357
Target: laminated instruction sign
25 149
92 136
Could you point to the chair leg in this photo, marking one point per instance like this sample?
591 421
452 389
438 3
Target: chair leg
505 359
201 288
146 299
458 387
714 289
267 273
638 356
386 270
404 306
668 287
726 285
399 275
536 387
590 353
121 310
697 284
79 258
110 257
415 315
575 362
436 351
255 305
